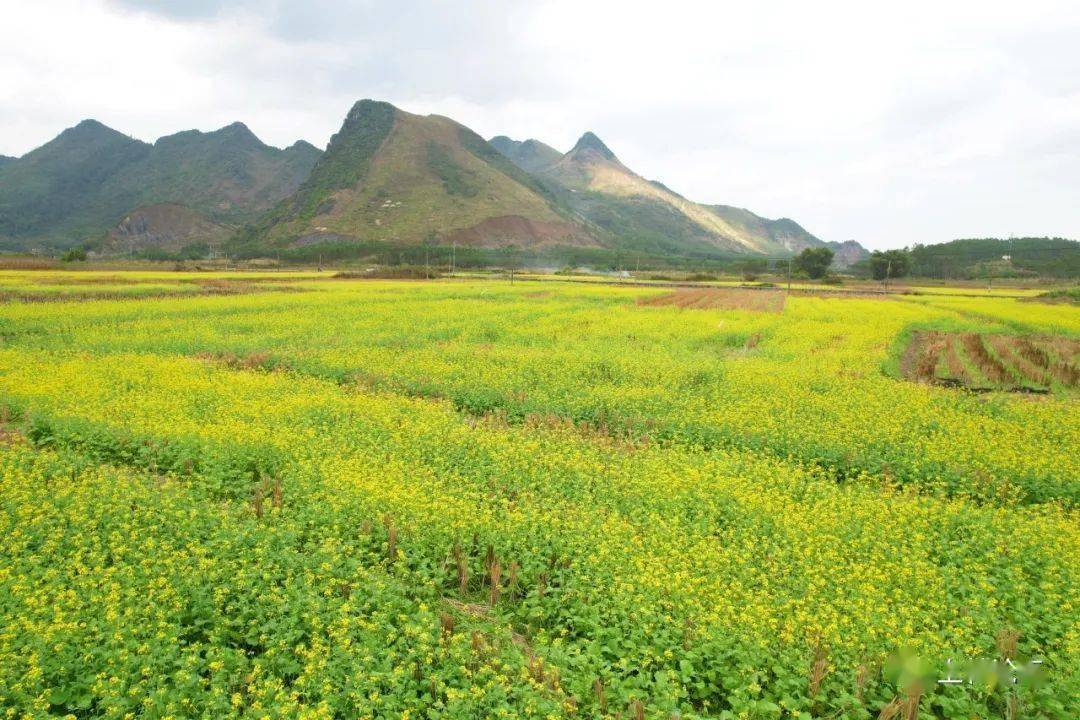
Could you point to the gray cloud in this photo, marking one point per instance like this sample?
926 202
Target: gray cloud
412 48
179 9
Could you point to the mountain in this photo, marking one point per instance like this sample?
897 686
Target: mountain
229 174
790 235
5 159
529 155
55 189
847 253
635 213
785 233
642 215
392 176
388 178
83 182
165 227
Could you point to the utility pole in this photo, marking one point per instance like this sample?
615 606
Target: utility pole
453 256
320 262
888 273
789 276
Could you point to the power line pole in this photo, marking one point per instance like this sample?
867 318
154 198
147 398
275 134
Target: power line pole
789 276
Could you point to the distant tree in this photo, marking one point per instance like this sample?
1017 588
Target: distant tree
74 254
889 264
814 262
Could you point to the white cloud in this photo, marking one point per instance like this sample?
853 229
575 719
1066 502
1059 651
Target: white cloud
917 122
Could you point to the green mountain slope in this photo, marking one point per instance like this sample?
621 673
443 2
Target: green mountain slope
642 212
789 235
229 174
83 182
5 159
391 176
54 190
784 232
529 155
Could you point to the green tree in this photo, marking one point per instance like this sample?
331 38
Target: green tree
74 254
889 264
814 262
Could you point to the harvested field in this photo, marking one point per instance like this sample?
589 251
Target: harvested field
720 299
985 362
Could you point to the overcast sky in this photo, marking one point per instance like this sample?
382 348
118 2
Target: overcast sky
888 123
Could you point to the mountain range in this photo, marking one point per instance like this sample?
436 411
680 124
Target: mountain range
386 177
648 216
392 176
89 178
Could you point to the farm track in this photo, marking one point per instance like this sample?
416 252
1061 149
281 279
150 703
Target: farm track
778 287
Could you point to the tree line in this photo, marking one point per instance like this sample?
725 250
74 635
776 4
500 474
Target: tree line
960 259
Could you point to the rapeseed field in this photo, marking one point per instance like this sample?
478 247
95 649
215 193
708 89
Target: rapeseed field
323 498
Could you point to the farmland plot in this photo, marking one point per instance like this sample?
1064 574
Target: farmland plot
465 499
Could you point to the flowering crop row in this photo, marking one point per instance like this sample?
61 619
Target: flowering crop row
809 383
